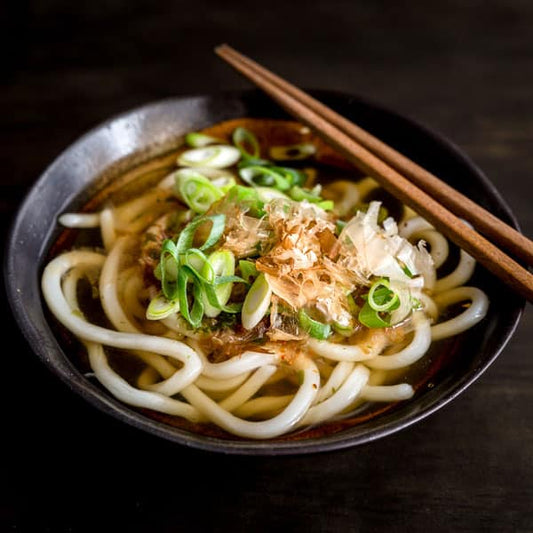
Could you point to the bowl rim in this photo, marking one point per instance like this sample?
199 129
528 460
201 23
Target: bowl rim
102 400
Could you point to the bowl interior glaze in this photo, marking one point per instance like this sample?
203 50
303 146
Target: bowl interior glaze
141 133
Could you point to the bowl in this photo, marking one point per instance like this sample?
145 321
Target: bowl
137 135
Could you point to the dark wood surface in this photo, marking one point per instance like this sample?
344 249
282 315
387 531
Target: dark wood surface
464 69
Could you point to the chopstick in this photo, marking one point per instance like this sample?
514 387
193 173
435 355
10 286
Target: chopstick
426 194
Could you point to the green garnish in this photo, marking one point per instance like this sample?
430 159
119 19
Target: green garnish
247 143
159 307
197 191
248 269
198 140
292 152
314 328
380 302
265 177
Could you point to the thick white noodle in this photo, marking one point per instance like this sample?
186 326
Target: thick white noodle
123 391
336 379
235 366
412 352
59 306
419 228
79 220
273 427
133 290
221 385
114 383
116 315
248 389
107 228
340 400
430 307
462 273
468 318
387 393
262 406
108 288
346 352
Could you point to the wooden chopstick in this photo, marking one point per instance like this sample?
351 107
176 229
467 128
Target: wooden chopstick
484 221
346 137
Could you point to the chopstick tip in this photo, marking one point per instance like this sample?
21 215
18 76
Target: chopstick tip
220 48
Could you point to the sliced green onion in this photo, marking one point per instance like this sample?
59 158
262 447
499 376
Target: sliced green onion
221 264
326 205
247 198
168 269
346 330
159 307
195 314
248 269
314 328
198 192
198 140
267 194
198 262
213 156
370 318
297 193
311 195
256 302
381 298
224 183
264 177
186 237
246 142
292 151
295 177
252 161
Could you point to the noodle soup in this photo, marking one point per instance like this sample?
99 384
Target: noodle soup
253 284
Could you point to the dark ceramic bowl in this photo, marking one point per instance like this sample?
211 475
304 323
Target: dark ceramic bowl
144 132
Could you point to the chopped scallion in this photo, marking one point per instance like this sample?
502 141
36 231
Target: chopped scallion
198 192
314 328
159 307
198 140
256 302
212 156
222 265
246 142
292 152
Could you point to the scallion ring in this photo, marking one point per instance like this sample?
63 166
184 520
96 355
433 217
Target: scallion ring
186 237
314 328
292 151
199 140
195 314
197 191
246 142
381 298
256 302
213 156
219 264
159 307
264 177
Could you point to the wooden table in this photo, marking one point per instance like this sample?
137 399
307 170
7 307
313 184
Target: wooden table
464 69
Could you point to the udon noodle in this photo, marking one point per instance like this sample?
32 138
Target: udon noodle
248 289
